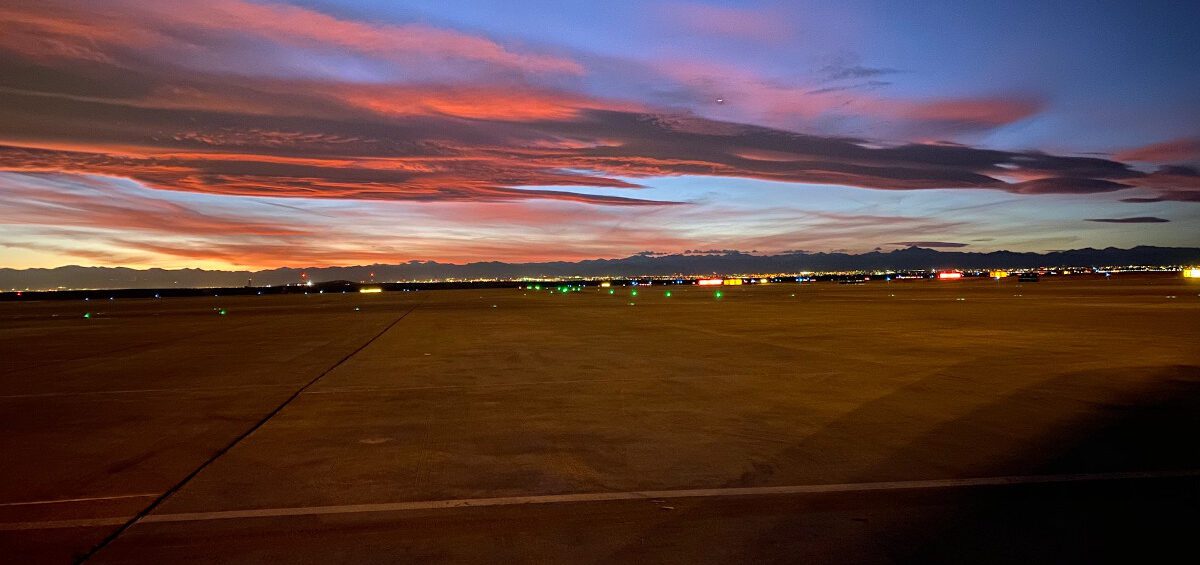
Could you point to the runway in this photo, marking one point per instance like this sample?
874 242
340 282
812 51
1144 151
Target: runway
759 426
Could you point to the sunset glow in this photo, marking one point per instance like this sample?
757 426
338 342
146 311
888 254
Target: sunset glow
236 133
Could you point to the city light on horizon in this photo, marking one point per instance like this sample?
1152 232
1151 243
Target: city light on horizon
634 281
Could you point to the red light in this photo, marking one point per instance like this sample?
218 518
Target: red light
945 276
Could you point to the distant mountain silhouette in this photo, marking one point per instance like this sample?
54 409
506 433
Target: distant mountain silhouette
727 262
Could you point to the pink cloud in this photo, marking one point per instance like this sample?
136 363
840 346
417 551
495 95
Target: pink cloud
82 202
803 104
496 139
1174 151
977 111
188 28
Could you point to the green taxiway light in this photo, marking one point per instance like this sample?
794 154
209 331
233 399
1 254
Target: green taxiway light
87 314
634 293
221 312
612 291
717 294
668 294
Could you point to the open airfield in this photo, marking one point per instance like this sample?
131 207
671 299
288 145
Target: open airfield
910 421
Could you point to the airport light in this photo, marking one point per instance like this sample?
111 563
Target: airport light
370 290
717 294
611 291
710 282
949 275
667 294
999 274
1191 273
633 293
605 284
87 315
221 312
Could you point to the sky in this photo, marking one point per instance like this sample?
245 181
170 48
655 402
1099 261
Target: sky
245 134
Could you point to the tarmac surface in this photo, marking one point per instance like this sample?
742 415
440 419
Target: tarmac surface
889 422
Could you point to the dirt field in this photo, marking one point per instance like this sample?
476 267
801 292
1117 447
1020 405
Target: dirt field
910 421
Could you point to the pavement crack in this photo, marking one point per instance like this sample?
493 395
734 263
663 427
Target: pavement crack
237 440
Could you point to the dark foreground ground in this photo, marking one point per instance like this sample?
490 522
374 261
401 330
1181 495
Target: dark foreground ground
957 421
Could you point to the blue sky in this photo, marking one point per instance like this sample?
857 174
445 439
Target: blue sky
234 133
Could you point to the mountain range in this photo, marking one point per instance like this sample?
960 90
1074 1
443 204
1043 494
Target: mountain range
647 263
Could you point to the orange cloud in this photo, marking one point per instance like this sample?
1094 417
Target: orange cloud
148 115
472 102
1174 151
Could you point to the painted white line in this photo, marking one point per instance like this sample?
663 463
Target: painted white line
87 499
604 497
659 494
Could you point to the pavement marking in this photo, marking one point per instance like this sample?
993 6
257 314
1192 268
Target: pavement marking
609 497
663 494
154 504
87 499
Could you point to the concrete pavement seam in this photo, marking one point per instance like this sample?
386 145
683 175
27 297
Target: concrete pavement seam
261 422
